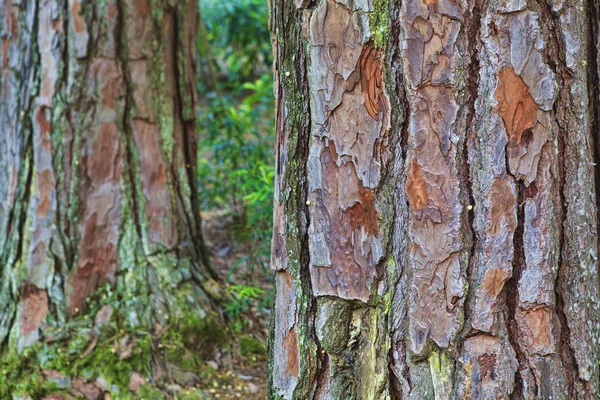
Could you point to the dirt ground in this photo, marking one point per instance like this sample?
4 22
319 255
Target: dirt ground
246 378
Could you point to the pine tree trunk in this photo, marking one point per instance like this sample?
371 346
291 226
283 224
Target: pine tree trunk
97 163
435 228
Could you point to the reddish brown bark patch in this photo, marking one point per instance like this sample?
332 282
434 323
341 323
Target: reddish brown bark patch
97 254
102 162
538 322
45 127
97 261
78 21
154 181
531 191
515 104
45 187
35 308
363 213
493 281
291 349
371 82
487 364
109 79
503 205
142 7
416 188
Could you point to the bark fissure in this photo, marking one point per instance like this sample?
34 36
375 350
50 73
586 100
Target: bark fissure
122 57
512 295
473 24
301 150
62 221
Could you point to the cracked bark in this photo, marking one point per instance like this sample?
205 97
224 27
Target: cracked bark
97 155
435 208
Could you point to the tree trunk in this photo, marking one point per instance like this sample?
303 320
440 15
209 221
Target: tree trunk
98 160
435 228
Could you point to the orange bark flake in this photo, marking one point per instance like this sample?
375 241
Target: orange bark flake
78 21
538 322
371 81
291 349
515 104
35 308
416 188
493 281
503 203
431 3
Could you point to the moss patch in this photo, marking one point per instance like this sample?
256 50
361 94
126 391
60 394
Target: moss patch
250 346
112 350
379 23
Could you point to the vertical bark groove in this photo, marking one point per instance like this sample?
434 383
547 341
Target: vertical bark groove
121 51
511 299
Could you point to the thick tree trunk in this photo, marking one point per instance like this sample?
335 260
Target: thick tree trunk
435 210
97 163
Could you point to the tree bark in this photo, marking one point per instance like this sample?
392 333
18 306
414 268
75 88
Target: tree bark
435 222
97 163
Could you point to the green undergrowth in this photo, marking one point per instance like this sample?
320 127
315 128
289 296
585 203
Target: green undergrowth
112 351
236 172
250 346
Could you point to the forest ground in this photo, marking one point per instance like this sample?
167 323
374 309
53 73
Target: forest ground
246 377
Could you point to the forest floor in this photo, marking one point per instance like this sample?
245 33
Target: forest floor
246 377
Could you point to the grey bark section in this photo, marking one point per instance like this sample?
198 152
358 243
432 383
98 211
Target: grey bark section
577 117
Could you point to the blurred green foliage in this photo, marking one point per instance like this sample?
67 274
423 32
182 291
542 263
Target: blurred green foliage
238 39
236 134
